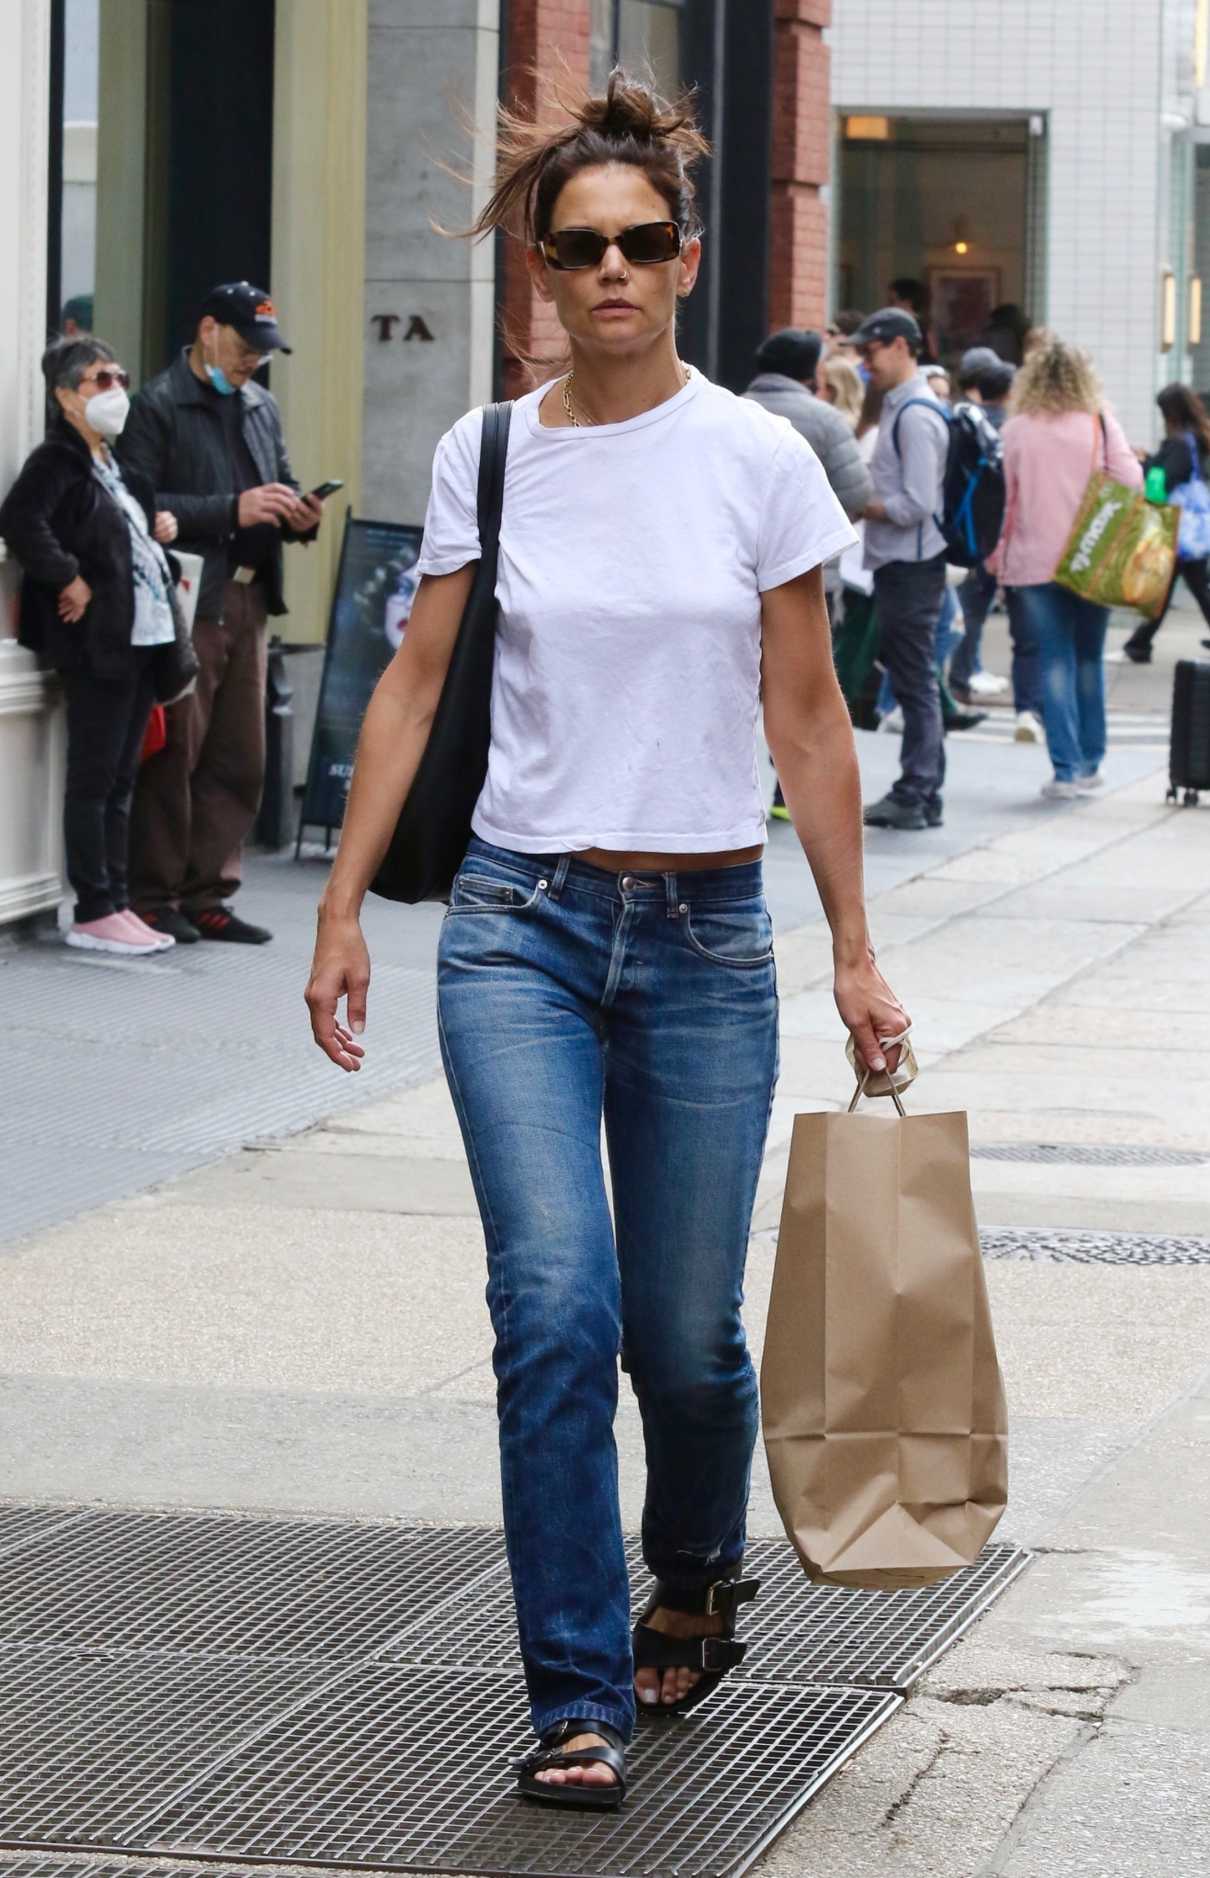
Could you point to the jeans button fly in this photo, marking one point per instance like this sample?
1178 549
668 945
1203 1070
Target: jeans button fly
627 882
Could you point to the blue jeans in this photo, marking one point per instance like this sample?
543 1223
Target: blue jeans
976 594
565 994
1027 652
1070 636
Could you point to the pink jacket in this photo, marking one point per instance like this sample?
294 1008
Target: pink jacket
1047 463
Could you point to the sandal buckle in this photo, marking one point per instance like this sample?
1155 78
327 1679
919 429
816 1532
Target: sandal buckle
722 1653
723 1596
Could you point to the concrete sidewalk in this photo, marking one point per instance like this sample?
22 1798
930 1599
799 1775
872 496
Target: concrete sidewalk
301 1325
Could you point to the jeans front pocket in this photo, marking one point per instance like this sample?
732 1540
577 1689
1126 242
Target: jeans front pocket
740 936
488 893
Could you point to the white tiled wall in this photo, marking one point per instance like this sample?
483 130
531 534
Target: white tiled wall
1101 71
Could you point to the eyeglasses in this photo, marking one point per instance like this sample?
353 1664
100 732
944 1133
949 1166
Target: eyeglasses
644 245
106 377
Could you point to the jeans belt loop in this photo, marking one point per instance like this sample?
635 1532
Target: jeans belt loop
559 877
671 897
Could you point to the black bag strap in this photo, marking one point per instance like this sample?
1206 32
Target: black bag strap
493 456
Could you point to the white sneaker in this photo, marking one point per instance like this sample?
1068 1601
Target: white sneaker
111 934
1085 783
1028 730
1056 791
987 685
892 723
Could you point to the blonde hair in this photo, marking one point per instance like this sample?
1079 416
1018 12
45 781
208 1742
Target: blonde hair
847 389
1054 378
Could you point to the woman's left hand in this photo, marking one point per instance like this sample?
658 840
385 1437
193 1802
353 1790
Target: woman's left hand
166 528
870 1011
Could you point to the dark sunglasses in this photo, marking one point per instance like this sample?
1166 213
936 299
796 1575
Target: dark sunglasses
645 245
107 377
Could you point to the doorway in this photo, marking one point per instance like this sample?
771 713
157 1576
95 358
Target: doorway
956 204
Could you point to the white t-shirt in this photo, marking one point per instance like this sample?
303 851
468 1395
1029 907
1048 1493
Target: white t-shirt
632 561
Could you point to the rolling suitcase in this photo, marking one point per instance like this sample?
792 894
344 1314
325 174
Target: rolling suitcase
1189 752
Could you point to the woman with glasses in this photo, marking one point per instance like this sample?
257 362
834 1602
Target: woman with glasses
607 952
98 603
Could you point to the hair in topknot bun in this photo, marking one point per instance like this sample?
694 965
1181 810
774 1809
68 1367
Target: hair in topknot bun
630 123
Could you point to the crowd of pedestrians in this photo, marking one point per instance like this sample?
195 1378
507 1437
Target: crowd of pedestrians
154 826
155 820
907 625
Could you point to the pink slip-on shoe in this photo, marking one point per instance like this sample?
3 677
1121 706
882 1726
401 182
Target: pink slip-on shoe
163 941
111 934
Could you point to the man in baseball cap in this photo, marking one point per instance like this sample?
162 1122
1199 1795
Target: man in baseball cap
905 551
209 440
249 311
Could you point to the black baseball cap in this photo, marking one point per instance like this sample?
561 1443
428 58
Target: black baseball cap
250 310
890 322
793 352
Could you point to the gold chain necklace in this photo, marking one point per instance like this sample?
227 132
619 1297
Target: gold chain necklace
570 409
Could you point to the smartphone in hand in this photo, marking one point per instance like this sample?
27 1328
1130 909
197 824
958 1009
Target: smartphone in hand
323 490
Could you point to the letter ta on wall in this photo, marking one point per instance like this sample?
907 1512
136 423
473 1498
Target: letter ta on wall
417 328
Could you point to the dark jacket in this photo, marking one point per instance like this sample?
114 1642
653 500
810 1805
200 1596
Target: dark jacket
174 439
1175 457
59 523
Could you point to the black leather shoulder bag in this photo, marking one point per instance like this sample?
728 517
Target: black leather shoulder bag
434 826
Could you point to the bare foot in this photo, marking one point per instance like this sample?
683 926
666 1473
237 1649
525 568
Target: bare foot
656 1687
596 1775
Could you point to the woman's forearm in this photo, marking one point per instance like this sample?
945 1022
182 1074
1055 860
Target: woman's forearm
821 784
392 742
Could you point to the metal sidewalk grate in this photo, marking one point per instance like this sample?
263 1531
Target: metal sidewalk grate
212 1688
1079 1154
402 1770
26 1525
796 1632
89 1744
204 1584
1094 1248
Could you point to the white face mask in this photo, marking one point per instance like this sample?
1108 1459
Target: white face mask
106 412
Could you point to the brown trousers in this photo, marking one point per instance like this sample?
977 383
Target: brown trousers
196 801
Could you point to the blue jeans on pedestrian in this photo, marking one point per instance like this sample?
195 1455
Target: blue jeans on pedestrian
1070 637
567 994
1027 654
975 595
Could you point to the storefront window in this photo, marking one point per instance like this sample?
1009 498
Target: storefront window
642 35
161 165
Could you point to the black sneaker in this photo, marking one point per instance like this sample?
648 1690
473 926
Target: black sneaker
964 720
891 813
932 813
1138 655
175 924
219 922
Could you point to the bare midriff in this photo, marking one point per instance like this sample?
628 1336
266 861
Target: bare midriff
617 863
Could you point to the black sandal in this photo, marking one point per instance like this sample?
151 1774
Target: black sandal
548 1753
713 1656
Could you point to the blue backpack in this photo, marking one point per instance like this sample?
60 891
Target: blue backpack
972 490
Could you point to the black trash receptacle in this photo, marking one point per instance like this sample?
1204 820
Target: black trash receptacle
275 820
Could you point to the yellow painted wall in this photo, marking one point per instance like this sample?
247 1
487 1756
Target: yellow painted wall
319 146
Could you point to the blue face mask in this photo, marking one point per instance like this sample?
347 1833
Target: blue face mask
219 379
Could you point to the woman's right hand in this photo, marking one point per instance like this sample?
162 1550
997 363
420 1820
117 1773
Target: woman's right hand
74 599
339 969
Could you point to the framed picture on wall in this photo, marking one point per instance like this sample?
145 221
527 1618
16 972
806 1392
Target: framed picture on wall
961 300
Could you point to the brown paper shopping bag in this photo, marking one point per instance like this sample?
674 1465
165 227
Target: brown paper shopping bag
883 1406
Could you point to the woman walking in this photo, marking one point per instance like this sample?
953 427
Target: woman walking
98 603
607 951
1059 432
1184 457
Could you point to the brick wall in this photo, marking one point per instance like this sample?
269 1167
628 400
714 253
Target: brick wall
553 36
798 260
